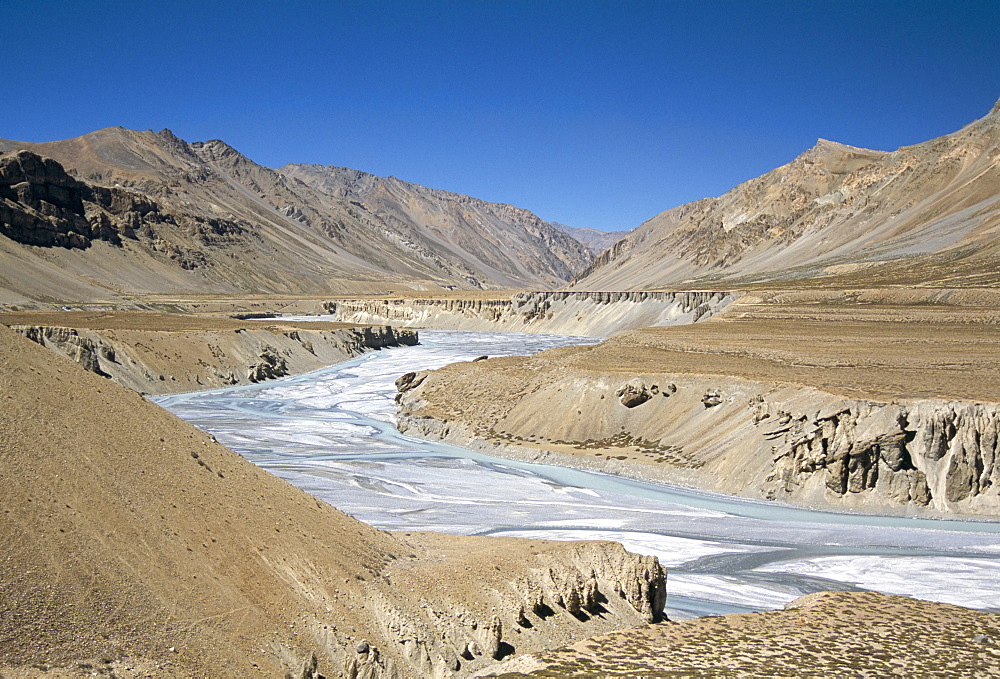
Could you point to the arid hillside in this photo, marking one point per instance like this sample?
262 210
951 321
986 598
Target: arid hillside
835 216
118 213
510 246
132 544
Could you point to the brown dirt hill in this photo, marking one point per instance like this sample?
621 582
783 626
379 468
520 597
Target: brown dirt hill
119 211
836 216
133 544
827 634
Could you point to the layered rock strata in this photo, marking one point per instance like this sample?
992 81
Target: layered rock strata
571 313
766 440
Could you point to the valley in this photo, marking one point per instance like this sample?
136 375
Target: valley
814 347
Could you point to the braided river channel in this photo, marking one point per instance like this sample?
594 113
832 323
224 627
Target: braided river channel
332 434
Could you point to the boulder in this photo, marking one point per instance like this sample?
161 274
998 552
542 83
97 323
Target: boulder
711 398
636 392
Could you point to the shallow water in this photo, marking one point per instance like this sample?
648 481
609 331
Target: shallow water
332 433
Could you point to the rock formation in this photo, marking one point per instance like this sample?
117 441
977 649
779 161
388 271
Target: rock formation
161 354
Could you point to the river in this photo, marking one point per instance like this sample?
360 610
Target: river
331 433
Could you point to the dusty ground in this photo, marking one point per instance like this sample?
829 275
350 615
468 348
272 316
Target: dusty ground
829 634
862 351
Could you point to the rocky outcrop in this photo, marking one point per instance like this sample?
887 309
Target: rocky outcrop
573 313
636 392
88 352
271 366
522 596
42 205
158 362
925 452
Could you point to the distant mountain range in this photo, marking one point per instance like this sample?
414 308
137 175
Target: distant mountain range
596 241
927 214
119 212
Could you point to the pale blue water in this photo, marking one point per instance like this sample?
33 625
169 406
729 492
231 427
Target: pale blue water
331 433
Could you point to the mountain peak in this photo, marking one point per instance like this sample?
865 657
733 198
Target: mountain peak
214 150
826 152
996 108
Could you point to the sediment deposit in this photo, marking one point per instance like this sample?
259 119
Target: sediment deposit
803 405
161 354
569 313
133 544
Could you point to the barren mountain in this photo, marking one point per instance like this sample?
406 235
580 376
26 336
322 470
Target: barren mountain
507 244
119 212
927 213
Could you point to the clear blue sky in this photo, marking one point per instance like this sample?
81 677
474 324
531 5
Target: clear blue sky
596 114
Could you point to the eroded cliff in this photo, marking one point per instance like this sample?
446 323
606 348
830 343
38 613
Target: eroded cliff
874 415
199 353
571 313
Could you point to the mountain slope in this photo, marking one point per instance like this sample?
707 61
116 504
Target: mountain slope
509 244
927 213
202 218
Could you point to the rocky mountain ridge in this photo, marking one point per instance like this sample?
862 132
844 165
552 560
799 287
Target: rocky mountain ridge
836 215
168 216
